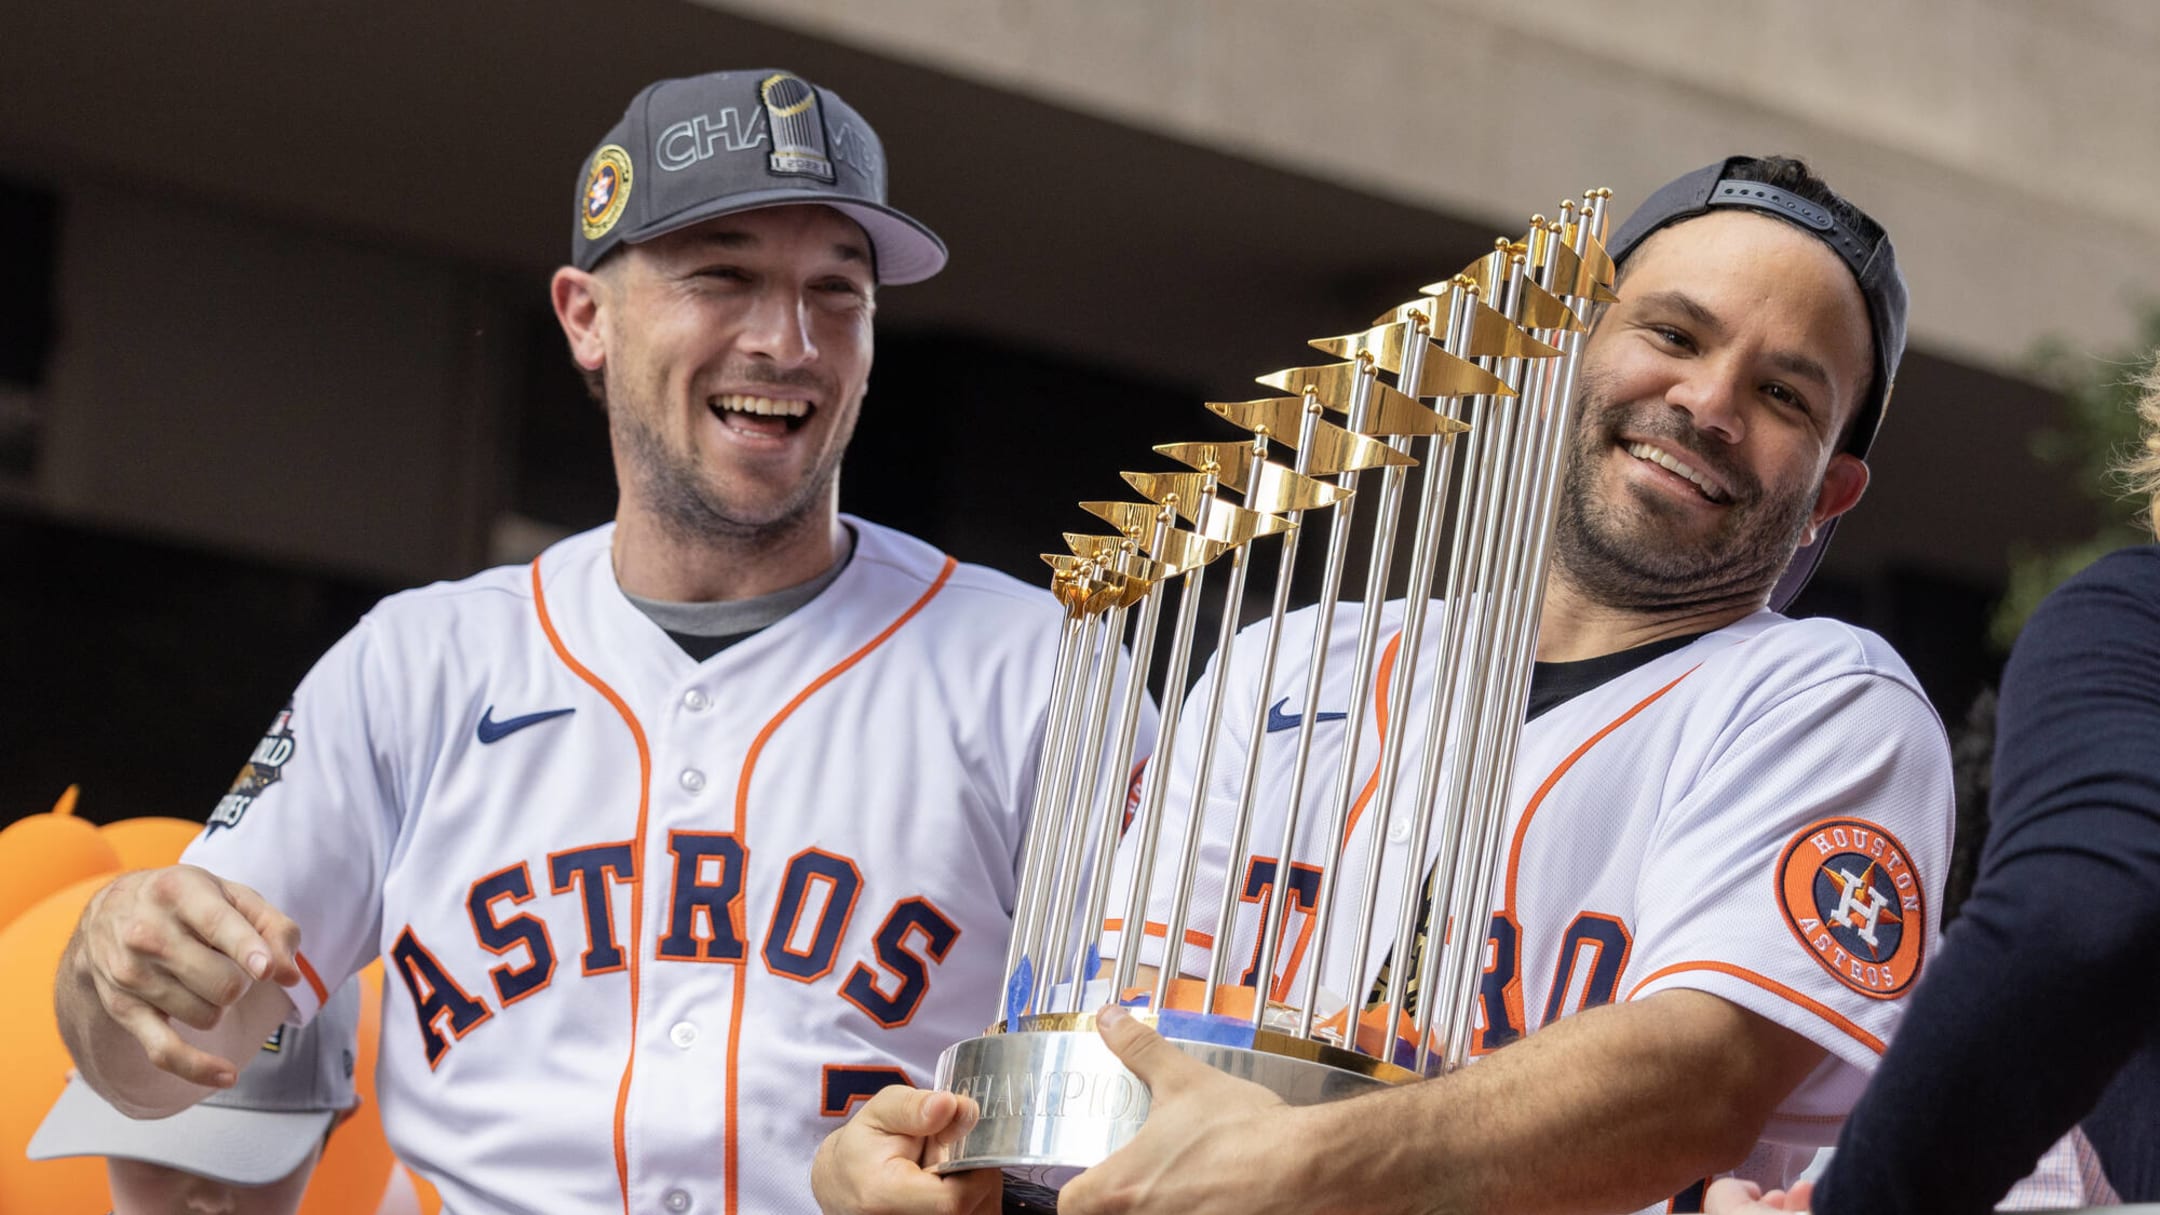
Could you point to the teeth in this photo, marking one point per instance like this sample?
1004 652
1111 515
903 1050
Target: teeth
768 406
1664 459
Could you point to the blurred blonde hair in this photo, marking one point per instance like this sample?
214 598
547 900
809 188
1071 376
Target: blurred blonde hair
2141 467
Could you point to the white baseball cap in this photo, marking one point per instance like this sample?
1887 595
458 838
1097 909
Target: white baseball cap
253 1133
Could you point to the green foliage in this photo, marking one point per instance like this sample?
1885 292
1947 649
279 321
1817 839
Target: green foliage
2094 427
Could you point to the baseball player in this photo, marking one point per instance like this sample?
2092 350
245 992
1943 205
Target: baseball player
1728 829
691 835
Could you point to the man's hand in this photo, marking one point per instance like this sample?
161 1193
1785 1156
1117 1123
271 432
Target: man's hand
165 945
872 1165
1728 1196
1204 1147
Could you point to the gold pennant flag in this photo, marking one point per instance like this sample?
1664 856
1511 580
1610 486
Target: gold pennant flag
1333 450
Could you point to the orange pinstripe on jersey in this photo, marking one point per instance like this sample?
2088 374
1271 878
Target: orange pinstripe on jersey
1380 724
1774 987
314 981
742 812
637 879
1537 799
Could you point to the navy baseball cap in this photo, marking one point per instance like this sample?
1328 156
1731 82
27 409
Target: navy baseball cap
259 1130
1859 242
690 149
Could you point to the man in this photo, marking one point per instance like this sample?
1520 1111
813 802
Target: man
246 1150
1698 775
693 834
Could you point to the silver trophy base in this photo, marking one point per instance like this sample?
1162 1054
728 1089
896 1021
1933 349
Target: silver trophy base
1054 1100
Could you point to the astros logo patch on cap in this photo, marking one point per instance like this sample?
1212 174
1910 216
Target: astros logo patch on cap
1853 899
607 191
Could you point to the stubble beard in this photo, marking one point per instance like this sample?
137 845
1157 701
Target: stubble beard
676 488
1612 549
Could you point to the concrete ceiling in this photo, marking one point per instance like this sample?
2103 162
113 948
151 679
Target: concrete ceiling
454 131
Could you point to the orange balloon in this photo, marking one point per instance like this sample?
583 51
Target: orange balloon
38 1065
150 842
43 852
355 1168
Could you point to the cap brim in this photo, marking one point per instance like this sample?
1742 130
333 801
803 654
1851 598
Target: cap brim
238 1147
907 251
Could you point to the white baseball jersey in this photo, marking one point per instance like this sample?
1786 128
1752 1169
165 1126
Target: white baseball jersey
1764 814
654 926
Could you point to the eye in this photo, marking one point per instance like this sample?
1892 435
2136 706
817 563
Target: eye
1668 336
723 274
1784 395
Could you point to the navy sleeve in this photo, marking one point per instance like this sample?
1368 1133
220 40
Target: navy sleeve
2047 983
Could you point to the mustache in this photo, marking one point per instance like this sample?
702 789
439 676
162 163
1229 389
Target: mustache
1672 431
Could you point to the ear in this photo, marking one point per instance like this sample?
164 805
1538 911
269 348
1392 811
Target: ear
578 296
1843 482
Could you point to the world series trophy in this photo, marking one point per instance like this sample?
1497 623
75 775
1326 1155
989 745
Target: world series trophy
1471 385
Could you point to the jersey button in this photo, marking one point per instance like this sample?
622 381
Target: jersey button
1398 832
692 780
676 1200
683 1034
696 701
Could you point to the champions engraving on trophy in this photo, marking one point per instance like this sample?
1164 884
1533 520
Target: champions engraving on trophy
1443 424
1071 1093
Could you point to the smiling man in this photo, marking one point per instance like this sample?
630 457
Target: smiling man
1727 833
1726 839
689 836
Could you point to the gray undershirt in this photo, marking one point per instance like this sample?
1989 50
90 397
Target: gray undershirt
705 629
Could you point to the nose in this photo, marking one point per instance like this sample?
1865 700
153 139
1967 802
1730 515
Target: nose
777 329
1712 394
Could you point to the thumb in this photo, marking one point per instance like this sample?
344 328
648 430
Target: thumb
916 1113
1149 1055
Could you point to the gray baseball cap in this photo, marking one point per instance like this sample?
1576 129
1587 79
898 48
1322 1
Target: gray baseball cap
690 149
1859 242
253 1133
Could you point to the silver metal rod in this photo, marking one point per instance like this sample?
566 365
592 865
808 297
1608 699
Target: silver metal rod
1109 815
1387 514
1092 774
1278 608
1273 924
1189 858
1037 839
1038 910
1424 561
1134 929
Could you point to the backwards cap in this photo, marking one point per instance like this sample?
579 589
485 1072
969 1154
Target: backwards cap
1859 242
253 1133
690 149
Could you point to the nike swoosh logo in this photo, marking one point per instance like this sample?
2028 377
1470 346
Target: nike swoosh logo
1278 721
495 731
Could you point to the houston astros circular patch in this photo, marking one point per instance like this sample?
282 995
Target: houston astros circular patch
607 191
1852 898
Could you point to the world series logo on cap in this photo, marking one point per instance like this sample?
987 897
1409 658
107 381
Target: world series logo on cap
798 129
607 191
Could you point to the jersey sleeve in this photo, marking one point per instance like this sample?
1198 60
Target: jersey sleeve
1799 875
310 821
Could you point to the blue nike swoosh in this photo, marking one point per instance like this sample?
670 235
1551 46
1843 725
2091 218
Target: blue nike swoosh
1277 720
495 731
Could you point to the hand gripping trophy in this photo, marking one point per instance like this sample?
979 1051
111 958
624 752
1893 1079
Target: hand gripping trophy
1175 900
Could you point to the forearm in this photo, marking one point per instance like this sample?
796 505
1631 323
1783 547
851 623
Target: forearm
1610 1109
